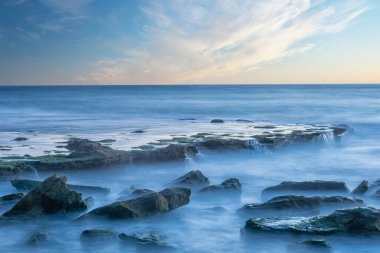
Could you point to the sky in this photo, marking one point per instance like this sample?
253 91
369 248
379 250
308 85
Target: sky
55 42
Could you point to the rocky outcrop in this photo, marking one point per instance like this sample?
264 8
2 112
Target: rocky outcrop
86 154
231 186
151 239
192 180
9 170
11 197
361 189
27 185
144 206
52 196
357 220
290 204
217 121
97 235
309 187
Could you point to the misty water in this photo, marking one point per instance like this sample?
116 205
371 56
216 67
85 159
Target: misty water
46 115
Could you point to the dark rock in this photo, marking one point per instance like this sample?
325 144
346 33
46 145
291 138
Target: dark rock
89 201
38 238
10 170
317 186
192 180
224 144
138 132
310 246
20 139
290 203
52 196
231 185
144 206
357 220
97 235
27 185
107 141
151 239
12 197
361 189
244 121
188 119
217 121
140 192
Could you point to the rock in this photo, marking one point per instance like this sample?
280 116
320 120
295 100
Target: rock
290 204
89 201
9 170
310 245
361 189
20 139
217 121
151 239
356 220
52 196
12 197
144 206
27 185
224 144
140 192
133 193
138 132
318 186
192 180
38 238
244 121
97 235
107 141
231 185
86 154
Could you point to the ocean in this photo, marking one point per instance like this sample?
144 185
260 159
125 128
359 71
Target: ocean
47 115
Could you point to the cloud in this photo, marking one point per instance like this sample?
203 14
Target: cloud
192 41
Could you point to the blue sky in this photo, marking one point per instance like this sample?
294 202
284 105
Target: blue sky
189 42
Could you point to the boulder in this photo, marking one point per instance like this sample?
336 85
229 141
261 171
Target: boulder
39 237
192 180
52 196
306 187
361 189
27 185
97 235
289 204
144 206
356 220
231 185
20 139
151 239
310 246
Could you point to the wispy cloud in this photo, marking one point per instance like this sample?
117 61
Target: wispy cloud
192 41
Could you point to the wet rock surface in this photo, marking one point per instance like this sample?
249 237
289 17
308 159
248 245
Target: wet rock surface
97 235
192 179
27 185
9 170
231 186
361 189
144 206
39 238
356 221
290 204
310 245
52 196
151 240
310 187
11 197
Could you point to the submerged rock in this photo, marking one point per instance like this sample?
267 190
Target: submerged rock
38 238
192 180
150 239
361 189
144 206
9 170
27 185
97 235
357 220
231 185
291 203
317 186
20 139
217 121
52 196
12 197
310 246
